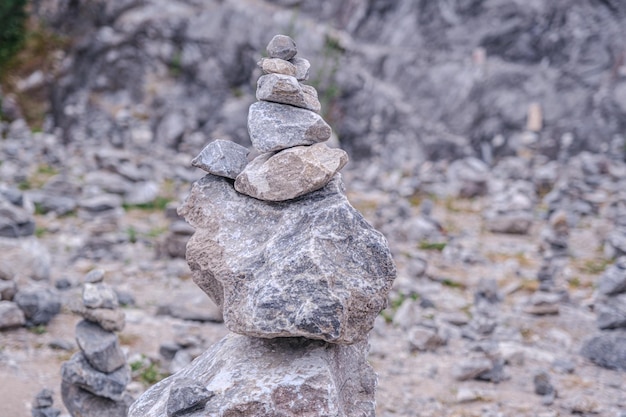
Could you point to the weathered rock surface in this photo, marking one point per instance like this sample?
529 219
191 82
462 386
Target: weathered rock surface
277 66
99 295
312 267
607 349
100 347
40 305
302 68
223 158
80 402
613 280
286 89
10 315
77 371
186 396
263 378
14 220
282 46
290 173
275 126
111 320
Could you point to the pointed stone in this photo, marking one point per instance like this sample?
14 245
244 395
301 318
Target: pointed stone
310 267
287 377
302 68
287 90
274 126
277 66
282 47
101 348
290 173
223 158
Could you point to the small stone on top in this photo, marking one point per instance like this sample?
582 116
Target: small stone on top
282 47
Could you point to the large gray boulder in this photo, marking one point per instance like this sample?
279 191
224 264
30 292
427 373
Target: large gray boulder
287 377
290 173
39 305
310 267
275 126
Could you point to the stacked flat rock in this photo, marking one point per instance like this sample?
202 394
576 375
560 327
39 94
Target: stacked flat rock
42 405
554 247
298 273
94 380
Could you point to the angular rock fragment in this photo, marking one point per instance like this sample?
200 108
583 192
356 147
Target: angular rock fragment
15 221
313 267
40 305
186 396
611 312
223 158
77 371
274 126
111 320
99 295
613 280
277 66
288 377
607 349
11 315
290 173
302 68
282 47
80 402
100 347
287 90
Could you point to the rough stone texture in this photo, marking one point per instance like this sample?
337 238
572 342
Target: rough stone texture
274 126
77 371
277 66
312 267
290 173
94 276
302 68
10 315
607 349
287 377
85 404
8 289
43 399
223 158
111 320
282 47
186 396
39 305
611 312
99 295
287 90
14 220
100 347
613 280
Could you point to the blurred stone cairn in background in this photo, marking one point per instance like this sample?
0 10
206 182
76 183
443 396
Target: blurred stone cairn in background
298 272
94 380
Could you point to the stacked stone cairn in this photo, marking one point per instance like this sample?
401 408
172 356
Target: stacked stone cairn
43 405
299 274
94 380
608 347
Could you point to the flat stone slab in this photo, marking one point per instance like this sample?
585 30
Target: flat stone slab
310 267
223 158
274 126
286 89
287 377
277 66
290 173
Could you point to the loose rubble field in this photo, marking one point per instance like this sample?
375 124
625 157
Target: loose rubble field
427 347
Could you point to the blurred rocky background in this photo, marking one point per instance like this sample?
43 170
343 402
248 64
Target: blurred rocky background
486 141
